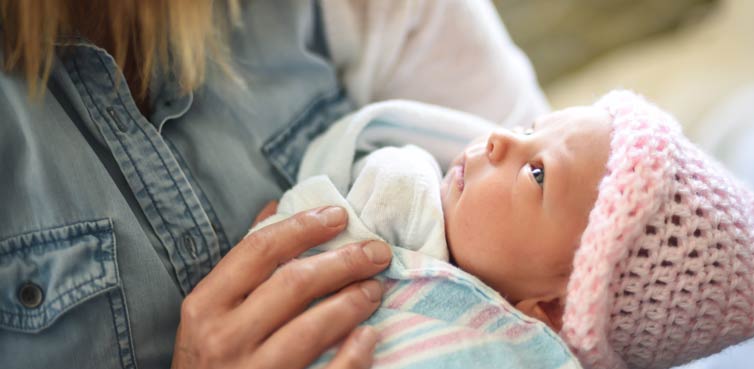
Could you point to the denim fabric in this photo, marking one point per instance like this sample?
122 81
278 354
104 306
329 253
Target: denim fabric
109 218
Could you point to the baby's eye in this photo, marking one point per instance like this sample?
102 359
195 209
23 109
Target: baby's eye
538 174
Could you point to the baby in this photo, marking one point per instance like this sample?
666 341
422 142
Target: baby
516 204
603 223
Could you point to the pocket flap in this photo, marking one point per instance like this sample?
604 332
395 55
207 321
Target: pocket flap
45 273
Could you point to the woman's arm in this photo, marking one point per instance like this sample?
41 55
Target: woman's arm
454 53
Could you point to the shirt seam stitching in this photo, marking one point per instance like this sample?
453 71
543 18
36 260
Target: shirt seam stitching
136 170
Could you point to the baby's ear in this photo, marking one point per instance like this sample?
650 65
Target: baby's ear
547 309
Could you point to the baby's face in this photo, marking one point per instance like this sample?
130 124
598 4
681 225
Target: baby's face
516 203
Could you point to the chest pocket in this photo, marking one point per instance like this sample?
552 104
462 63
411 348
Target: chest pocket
53 283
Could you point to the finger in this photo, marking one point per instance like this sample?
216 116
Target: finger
269 210
358 350
293 287
253 260
305 338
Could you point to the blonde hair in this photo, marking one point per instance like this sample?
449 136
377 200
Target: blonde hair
180 35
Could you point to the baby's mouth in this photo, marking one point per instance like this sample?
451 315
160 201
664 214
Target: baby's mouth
454 177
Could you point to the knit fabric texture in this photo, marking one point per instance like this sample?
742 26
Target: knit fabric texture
665 270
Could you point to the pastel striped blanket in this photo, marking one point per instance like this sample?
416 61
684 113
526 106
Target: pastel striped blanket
434 315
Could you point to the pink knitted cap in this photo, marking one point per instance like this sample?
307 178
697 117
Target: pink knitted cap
665 270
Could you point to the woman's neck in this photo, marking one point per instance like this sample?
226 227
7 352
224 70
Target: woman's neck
98 31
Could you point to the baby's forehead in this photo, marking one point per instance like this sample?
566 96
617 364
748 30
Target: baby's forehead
578 130
579 139
574 119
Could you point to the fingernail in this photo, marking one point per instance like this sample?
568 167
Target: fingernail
367 337
373 290
331 216
377 252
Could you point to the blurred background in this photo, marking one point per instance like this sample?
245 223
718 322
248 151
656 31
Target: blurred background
694 58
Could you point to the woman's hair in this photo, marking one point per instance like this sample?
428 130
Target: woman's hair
179 35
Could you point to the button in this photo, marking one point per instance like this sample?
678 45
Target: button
114 116
190 246
30 295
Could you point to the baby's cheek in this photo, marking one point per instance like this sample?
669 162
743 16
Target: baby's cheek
466 245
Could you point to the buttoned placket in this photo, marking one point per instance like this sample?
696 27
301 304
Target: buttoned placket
150 168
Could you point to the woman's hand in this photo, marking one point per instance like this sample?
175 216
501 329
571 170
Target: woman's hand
248 313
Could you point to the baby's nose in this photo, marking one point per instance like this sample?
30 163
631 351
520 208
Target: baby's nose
499 143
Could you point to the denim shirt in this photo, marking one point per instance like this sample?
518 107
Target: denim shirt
109 218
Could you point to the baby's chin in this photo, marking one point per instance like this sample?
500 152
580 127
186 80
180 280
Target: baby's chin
451 256
444 186
443 198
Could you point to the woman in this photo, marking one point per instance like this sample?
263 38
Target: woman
139 138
